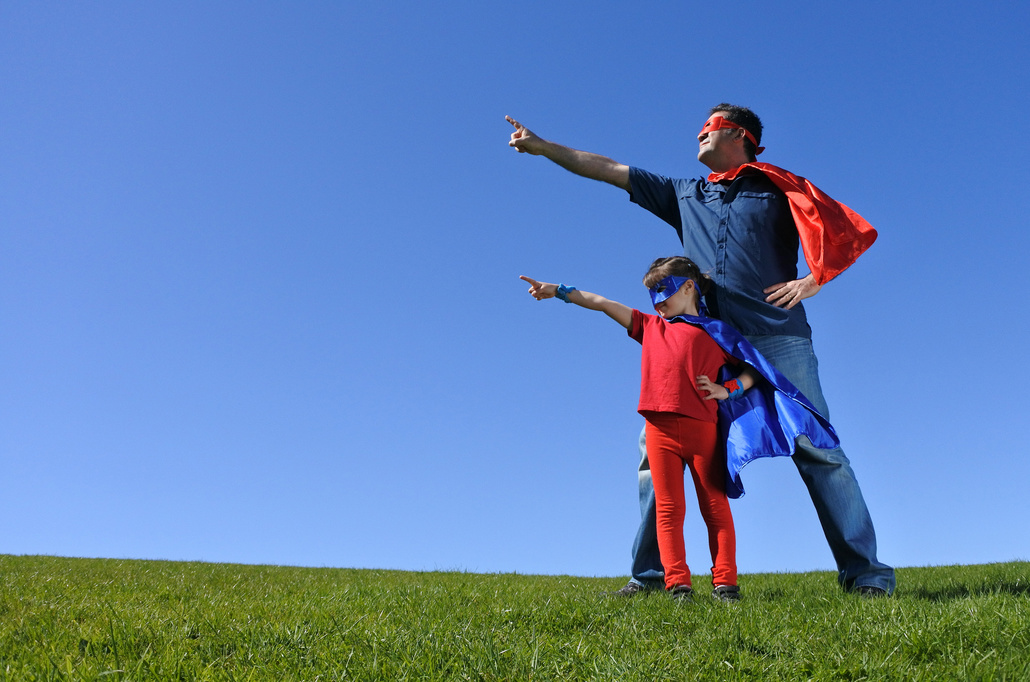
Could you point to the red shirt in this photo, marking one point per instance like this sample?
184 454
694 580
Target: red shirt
674 355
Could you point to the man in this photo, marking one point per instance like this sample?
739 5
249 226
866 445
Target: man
743 226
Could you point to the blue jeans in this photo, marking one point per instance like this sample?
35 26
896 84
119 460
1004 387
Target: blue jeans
647 567
827 473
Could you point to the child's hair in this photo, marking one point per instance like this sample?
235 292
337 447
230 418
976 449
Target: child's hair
678 266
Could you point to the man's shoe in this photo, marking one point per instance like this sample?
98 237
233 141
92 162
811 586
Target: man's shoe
630 590
870 591
726 593
682 593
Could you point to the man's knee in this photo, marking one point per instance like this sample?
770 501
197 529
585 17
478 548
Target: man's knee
806 453
645 465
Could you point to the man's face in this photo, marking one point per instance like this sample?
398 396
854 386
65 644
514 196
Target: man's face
718 149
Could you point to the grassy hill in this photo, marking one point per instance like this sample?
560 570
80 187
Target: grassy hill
97 619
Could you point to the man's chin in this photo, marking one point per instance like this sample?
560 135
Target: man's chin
705 158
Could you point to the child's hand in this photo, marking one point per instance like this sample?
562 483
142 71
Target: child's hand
540 290
714 391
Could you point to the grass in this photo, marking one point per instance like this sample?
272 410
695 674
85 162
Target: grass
98 619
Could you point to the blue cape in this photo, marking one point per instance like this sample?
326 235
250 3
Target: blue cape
766 420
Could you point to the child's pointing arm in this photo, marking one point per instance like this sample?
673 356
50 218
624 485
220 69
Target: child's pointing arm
613 309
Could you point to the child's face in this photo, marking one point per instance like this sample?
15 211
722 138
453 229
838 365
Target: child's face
679 303
664 288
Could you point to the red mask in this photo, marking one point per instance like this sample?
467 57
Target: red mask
718 122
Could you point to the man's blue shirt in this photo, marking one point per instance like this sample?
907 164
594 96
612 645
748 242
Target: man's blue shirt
742 235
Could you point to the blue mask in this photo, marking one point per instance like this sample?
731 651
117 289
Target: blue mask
669 286
666 288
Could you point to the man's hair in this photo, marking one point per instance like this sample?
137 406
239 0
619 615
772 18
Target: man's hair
678 266
744 117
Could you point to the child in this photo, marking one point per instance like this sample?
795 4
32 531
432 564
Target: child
682 351
676 395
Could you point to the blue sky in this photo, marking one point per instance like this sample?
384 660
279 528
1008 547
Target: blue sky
258 275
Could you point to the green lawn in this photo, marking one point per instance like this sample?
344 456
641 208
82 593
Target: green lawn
94 619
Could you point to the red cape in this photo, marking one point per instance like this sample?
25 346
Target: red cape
832 235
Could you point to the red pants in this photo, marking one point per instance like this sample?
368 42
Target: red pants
672 441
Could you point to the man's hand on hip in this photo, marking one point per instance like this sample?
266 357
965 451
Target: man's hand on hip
789 294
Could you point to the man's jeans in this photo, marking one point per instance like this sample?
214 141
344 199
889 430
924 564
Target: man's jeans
827 473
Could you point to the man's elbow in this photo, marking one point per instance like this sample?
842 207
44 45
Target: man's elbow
618 175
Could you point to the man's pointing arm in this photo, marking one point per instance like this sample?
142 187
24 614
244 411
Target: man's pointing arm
587 164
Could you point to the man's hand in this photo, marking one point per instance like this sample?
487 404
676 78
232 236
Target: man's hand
523 138
540 290
587 164
789 294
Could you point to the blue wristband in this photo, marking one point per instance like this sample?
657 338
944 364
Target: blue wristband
563 292
735 392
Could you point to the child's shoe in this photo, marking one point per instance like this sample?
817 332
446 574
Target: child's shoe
726 593
682 593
